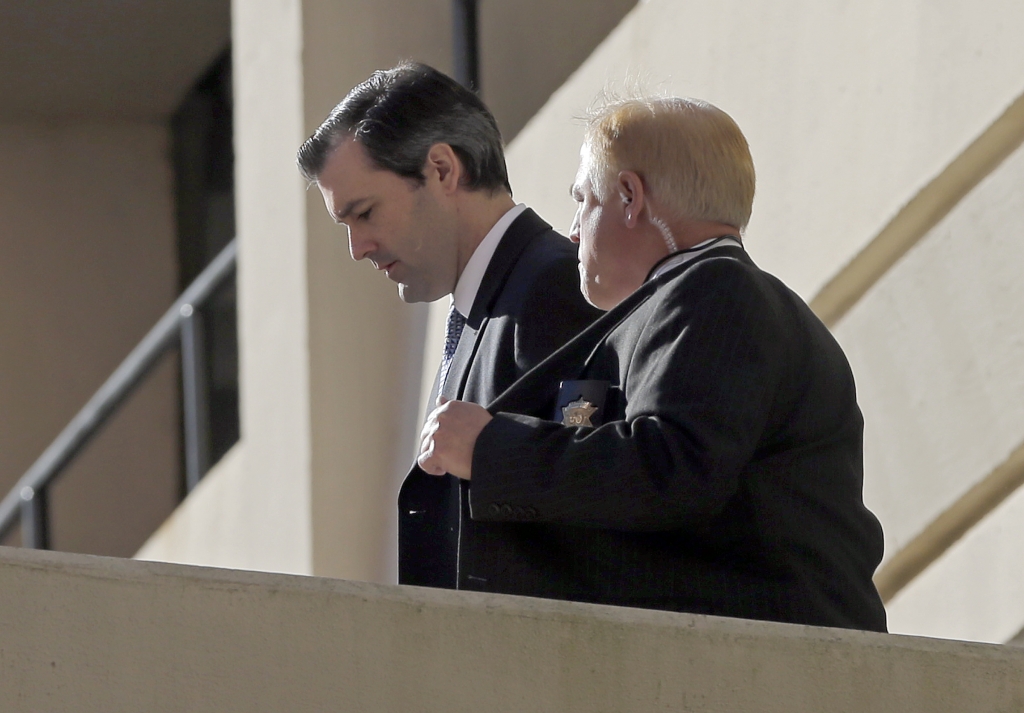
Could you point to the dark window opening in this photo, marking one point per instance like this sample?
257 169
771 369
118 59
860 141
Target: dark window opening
203 159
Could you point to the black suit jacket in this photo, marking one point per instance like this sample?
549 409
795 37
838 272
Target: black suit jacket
529 304
726 477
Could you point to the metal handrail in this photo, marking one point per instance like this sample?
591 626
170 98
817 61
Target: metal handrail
181 321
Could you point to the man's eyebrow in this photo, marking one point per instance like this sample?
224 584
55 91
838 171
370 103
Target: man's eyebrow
347 210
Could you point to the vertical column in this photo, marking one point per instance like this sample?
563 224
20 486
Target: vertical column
270 502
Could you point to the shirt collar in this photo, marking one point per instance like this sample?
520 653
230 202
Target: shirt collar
473 274
691 253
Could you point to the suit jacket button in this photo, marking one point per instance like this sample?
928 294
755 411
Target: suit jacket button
506 510
494 509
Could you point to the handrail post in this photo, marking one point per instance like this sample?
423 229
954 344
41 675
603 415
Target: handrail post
195 410
35 531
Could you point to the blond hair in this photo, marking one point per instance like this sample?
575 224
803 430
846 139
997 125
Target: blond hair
691 156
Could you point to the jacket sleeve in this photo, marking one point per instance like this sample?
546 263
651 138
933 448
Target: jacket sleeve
699 389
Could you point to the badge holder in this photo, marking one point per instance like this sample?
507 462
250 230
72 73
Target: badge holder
581 403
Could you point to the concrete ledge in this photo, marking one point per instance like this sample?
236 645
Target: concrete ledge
95 634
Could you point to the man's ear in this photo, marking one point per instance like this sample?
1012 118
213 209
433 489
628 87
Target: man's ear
630 190
442 162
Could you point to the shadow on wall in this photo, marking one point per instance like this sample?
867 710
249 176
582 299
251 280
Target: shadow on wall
516 82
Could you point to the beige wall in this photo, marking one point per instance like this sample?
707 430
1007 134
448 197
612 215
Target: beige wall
95 634
849 108
205 528
530 47
938 349
107 61
87 266
974 591
272 299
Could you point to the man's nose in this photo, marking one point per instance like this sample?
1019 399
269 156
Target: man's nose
359 246
574 230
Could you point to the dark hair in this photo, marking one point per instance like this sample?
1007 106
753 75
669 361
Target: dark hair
398 114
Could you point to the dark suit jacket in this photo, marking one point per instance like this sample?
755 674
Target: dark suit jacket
725 480
529 304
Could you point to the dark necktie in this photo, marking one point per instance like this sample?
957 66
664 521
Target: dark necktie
453 330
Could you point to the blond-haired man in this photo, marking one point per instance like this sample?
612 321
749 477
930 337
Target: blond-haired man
705 452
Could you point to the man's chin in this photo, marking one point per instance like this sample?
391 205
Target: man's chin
408 295
594 298
585 287
411 295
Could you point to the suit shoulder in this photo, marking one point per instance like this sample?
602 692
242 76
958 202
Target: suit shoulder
551 247
549 264
716 278
739 293
744 280
544 301
723 293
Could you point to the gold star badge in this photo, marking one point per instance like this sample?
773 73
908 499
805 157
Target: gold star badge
578 413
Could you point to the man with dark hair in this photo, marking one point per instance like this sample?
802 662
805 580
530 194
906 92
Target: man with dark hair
398 114
412 163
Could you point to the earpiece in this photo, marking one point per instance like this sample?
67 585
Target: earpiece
666 234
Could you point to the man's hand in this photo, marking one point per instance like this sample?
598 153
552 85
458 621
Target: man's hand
448 437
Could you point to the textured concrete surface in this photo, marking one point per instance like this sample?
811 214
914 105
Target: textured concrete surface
94 634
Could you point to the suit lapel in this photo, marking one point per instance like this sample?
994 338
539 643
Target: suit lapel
510 247
534 390
531 393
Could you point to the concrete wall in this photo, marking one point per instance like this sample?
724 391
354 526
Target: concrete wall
94 634
530 47
87 266
204 528
849 108
273 303
938 349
